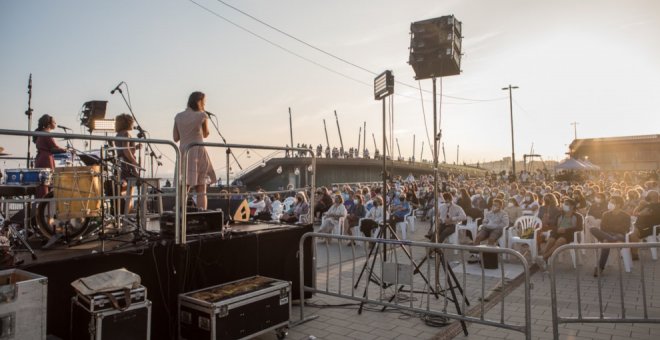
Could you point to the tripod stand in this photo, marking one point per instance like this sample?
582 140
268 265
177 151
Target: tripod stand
451 276
374 251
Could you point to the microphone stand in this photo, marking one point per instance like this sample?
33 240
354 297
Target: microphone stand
28 112
215 125
141 134
138 184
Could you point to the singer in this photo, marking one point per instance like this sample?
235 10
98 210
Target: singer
126 155
191 126
46 148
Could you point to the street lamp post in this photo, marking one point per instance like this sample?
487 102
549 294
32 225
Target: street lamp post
513 150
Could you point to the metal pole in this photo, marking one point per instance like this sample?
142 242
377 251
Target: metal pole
436 213
364 137
457 154
327 141
421 154
398 147
290 128
413 154
359 140
513 150
341 142
384 233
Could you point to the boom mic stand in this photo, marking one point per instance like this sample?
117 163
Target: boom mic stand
229 152
28 112
141 134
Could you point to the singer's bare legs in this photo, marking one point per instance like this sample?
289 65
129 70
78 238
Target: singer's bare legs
201 201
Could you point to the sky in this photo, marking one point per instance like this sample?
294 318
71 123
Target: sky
594 62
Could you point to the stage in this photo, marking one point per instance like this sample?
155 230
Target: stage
167 269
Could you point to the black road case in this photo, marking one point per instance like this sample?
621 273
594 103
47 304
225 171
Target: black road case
133 323
236 310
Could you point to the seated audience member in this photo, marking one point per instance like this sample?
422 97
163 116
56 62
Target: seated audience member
356 212
648 215
299 207
632 203
331 217
450 214
529 205
258 204
598 207
567 223
613 228
513 210
493 225
400 209
548 213
373 218
323 202
276 207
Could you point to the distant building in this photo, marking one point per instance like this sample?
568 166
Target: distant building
619 153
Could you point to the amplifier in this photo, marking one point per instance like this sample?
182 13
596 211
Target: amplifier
133 323
196 222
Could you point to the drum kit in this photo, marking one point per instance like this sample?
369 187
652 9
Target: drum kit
76 206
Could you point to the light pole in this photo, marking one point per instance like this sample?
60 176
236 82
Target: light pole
513 149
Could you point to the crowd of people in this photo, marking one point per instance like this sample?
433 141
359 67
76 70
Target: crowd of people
607 203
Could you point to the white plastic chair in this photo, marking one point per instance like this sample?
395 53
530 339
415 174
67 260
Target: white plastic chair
578 238
654 238
408 222
472 225
337 226
522 224
411 219
626 254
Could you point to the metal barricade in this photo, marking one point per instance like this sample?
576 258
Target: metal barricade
414 290
181 234
611 308
92 195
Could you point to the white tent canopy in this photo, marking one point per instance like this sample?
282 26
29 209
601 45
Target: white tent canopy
574 164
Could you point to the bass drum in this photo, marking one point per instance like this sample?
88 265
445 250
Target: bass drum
49 225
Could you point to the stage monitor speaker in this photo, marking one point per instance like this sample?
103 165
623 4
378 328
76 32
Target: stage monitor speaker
435 47
91 111
238 209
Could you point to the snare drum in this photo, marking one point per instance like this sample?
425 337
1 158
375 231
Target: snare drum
39 176
13 176
75 183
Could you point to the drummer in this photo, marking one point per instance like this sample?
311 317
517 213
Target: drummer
128 163
46 148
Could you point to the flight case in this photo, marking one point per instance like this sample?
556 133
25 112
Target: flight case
240 309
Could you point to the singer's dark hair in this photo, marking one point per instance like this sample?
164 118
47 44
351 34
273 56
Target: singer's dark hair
43 122
193 100
123 122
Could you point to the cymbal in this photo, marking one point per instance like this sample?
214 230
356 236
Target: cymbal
4 154
118 148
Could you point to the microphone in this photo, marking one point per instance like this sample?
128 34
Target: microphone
116 88
209 114
64 127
